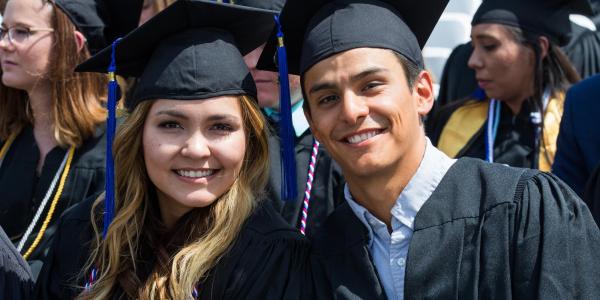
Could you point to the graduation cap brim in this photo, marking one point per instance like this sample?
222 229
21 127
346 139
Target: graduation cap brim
548 17
420 16
136 48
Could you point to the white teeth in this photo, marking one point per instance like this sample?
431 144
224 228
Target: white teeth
195 174
355 139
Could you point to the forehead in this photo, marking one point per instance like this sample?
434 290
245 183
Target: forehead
229 105
351 62
27 12
490 30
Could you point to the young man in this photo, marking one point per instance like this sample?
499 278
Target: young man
311 207
418 224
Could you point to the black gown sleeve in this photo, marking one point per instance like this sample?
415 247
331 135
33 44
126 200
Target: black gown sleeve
591 195
263 264
16 281
557 243
61 276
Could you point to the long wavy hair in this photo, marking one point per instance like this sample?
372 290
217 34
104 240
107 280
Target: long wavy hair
77 98
183 256
554 71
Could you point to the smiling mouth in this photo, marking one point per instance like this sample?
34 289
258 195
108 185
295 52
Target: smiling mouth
363 136
195 174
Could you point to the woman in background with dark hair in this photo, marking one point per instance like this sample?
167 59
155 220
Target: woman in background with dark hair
524 74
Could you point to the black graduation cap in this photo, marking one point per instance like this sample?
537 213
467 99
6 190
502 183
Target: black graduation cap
191 50
274 5
549 18
102 21
317 29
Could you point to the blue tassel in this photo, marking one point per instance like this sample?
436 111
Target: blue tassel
111 126
289 189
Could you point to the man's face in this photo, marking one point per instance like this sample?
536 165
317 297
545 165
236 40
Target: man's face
362 109
267 83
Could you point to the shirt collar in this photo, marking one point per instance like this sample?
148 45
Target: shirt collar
432 169
298 119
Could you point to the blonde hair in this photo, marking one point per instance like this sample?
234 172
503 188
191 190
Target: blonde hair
204 235
77 97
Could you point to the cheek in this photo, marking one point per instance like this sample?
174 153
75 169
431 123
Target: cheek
230 152
156 154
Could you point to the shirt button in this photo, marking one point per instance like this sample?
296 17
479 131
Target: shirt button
401 261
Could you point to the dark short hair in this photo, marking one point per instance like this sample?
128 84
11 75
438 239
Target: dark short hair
411 72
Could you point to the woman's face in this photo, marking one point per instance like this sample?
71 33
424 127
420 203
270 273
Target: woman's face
503 66
25 59
193 151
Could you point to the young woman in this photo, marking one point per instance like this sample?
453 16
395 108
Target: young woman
51 146
191 161
523 75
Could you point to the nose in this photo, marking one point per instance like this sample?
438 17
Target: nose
475 62
196 147
354 108
5 44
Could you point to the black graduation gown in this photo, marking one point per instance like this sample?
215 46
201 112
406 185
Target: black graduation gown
591 195
487 232
269 260
584 51
327 189
16 282
22 190
458 80
515 139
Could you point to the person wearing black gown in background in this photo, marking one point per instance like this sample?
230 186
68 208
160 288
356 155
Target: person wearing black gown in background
418 224
16 280
318 193
191 164
524 74
51 121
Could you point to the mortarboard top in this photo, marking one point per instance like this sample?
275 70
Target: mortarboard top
102 21
274 5
317 29
549 18
191 50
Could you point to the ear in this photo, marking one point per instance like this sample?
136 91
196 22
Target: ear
80 40
423 92
308 116
544 45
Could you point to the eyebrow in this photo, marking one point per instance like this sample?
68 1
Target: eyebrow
483 36
172 113
330 85
211 118
221 117
18 24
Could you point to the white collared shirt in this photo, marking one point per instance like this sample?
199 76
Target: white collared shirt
389 251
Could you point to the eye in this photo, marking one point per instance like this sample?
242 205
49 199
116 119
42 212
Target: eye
371 85
170 125
328 99
20 32
490 47
223 127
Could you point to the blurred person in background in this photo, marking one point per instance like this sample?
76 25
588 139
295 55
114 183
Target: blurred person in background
51 121
318 178
523 75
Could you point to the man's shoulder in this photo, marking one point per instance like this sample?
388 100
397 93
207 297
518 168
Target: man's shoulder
341 231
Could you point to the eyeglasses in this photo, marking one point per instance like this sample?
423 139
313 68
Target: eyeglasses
20 34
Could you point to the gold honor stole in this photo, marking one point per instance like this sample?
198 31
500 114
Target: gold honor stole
467 120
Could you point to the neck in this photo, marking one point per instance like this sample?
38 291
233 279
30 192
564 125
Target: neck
379 193
41 107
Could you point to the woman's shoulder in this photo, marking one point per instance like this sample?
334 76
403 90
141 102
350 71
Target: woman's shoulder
266 223
91 154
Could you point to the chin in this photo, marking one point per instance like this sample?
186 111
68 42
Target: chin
196 199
